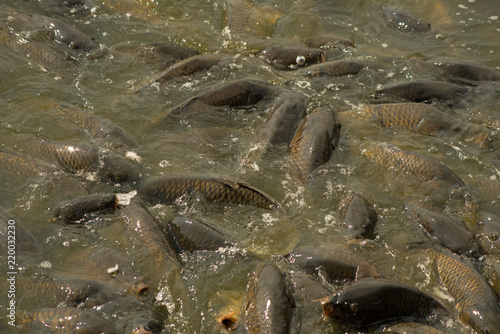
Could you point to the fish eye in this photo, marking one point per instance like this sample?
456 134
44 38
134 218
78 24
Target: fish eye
493 236
301 60
354 307
117 179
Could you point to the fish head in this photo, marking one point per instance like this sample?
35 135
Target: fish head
489 235
118 170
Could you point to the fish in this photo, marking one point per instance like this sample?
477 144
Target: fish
61 32
374 300
475 302
465 70
145 10
337 265
327 41
408 163
491 272
404 22
359 216
450 231
488 235
269 303
422 91
12 232
315 139
283 118
168 190
23 168
191 235
425 119
242 93
336 68
291 57
76 209
243 19
75 158
67 320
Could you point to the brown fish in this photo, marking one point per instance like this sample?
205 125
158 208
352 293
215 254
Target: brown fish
76 209
335 68
475 302
422 91
189 66
359 216
268 302
242 19
404 21
169 190
314 141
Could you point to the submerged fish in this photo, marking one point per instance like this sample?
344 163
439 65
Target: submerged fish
22 168
373 300
422 91
170 190
76 209
268 302
467 71
314 141
404 21
242 19
335 68
358 215
291 57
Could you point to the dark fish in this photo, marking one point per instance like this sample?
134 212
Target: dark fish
404 22
95 126
422 91
327 41
337 264
489 233
76 209
12 233
114 268
191 235
62 32
467 71
412 328
75 158
166 53
189 66
335 68
169 190
492 272
268 303
241 93
67 320
407 163
425 119
284 116
291 57
474 300
372 300
242 19
314 141
358 214
22 168
450 231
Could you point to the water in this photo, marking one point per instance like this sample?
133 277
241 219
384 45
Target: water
222 147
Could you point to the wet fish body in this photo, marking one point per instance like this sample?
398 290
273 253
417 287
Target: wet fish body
358 215
21 167
405 162
268 302
422 91
191 235
335 68
314 141
291 57
337 264
467 71
488 236
243 19
450 231
404 21
474 300
12 232
76 209
169 190
284 116
372 300
68 320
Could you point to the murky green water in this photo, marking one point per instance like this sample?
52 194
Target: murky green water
222 147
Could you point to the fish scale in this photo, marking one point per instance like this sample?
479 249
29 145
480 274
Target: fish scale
21 166
168 190
406 115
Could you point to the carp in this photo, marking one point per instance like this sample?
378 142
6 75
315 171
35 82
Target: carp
291 57
404 21
242 19
359 216
314 141
475 302
336 264
372 300
421 91
169 190
269 303
76 209
335 68
191 235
